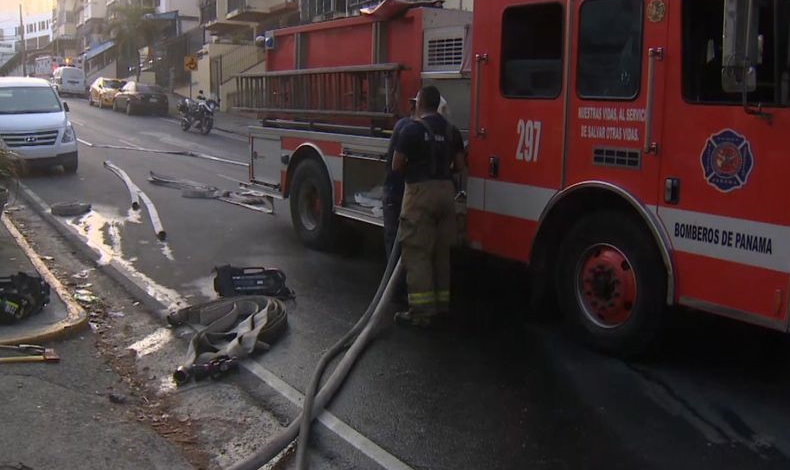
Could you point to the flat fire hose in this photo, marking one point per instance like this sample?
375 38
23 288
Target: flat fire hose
195 190
234 329
318 395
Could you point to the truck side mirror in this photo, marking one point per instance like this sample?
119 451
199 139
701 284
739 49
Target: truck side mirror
741 44
65 107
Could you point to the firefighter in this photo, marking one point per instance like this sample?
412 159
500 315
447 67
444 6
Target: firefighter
427 152
394 185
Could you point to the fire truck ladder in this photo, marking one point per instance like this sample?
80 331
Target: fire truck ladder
364 91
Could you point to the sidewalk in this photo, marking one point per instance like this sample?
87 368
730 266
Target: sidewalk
75 413
57 319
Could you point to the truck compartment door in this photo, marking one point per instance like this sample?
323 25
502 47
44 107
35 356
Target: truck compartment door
266 160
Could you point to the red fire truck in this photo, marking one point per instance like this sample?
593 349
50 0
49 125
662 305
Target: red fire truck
630 151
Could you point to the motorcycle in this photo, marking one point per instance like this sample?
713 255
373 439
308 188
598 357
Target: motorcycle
198 113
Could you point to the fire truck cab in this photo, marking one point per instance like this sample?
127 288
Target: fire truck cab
628 150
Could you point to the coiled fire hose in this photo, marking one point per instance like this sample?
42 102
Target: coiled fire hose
355 340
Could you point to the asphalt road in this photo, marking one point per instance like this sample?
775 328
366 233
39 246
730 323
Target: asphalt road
502 390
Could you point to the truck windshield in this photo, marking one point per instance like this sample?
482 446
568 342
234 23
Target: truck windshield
703 51
28 100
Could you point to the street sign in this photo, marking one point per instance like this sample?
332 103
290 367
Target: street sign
190 63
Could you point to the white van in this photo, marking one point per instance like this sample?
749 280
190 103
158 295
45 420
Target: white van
69 81
34 125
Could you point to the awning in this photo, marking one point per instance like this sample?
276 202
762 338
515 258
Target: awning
98 50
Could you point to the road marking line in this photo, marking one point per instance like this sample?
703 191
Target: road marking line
84 142
332 422
126 142
75 121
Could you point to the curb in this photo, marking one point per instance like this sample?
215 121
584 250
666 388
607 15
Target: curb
113 269
76 318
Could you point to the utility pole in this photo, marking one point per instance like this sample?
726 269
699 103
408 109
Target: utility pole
24 47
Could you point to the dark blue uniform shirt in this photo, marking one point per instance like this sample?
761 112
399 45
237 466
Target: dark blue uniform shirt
424 160
394 183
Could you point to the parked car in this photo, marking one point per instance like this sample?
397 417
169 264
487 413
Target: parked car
33 123
136 97
69 81
103 90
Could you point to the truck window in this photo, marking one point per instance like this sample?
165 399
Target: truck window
703 50
610 49
532 51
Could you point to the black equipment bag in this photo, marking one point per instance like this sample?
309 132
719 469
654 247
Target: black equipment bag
233 281
21 295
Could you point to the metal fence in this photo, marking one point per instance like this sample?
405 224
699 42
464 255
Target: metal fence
226 67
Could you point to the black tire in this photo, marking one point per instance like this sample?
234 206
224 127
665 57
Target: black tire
311 205
129 108
70 166
612 283
185 124
208 123
115 105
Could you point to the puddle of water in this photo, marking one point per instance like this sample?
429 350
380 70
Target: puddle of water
152 343
102 231
167 251
133 216
93 226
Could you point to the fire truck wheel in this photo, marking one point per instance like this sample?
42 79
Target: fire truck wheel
311 205
612 283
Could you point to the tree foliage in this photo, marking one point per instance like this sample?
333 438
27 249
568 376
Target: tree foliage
132 28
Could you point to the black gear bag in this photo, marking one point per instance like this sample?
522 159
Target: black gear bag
21 295
233 281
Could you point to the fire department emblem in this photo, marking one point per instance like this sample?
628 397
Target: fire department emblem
656 10
727 160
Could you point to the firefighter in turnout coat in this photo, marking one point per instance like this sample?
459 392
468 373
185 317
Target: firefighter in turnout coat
428 151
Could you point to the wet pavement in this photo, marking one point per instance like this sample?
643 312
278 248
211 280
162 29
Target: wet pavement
503 388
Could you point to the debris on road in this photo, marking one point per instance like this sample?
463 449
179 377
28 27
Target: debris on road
193 189
189 188
117 398
69 209
30 353
85 296
82 274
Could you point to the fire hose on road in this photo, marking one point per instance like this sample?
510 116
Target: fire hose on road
355 340
136 195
